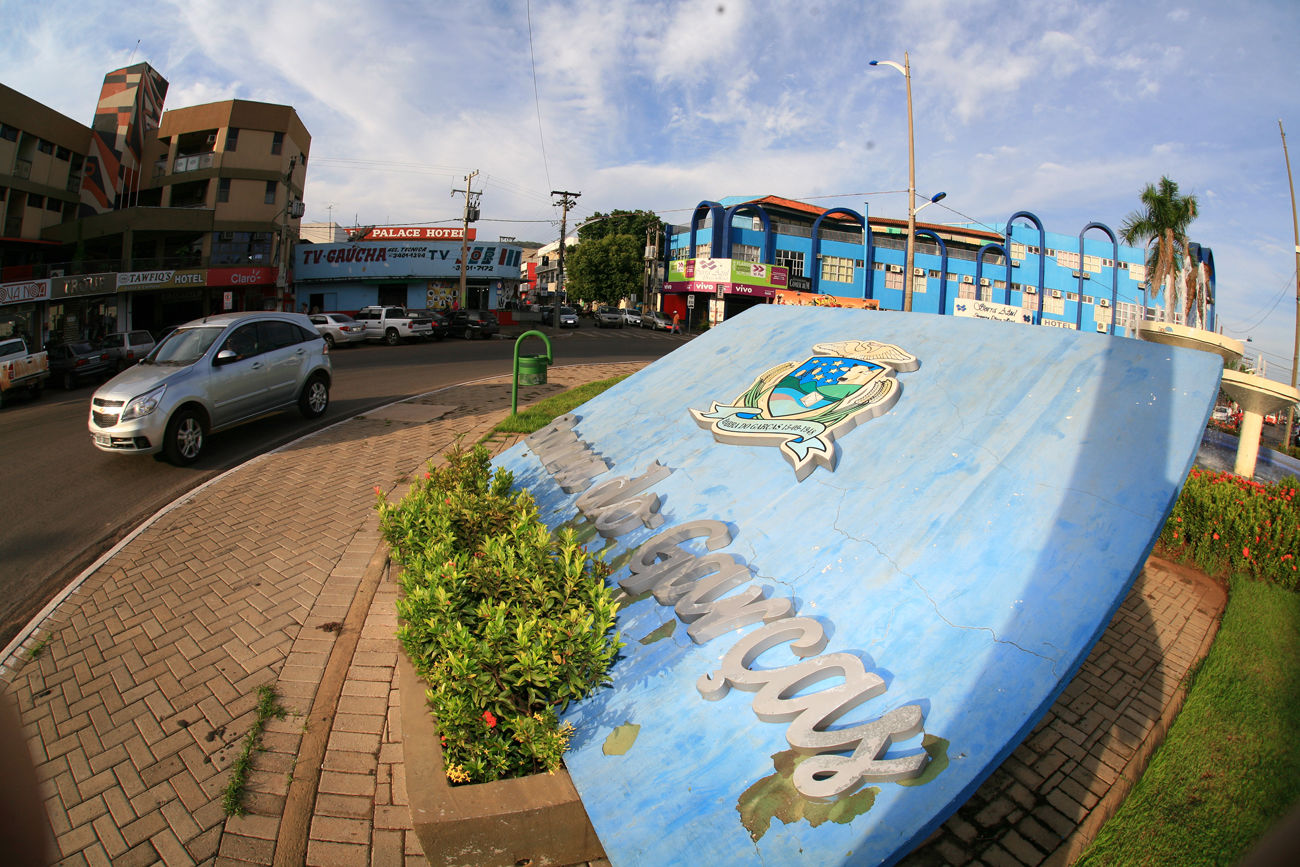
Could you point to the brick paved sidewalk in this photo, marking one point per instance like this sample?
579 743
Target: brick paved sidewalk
146 679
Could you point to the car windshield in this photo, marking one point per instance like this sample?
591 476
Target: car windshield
185 345
566 311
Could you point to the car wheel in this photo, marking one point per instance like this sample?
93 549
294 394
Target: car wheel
469 333
315 397
183 442
329 340
69 381
391 337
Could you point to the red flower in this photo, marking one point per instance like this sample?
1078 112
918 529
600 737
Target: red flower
1216 537
1245 552
489 719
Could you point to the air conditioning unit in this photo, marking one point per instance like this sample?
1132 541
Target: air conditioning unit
1056 293
984 281
1016 263
918 272
966 278
212 139
1074 273
1101 327
896 269
1104 302
1031 290
1087 276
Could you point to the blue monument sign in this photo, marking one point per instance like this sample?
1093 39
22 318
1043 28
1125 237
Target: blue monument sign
862 553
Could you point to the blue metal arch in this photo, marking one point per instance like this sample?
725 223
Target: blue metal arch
979 269
715 211
943 267
769 240
1114 278
817 247
1042 256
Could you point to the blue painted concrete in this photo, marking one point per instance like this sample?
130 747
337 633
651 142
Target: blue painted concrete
970 547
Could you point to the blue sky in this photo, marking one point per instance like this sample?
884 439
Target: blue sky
1063 109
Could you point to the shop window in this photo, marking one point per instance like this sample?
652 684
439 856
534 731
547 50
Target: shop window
791 259
837 269
277 143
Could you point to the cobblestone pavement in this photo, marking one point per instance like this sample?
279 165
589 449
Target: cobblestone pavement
137 689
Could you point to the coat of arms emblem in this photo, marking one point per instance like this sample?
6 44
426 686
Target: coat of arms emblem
802 407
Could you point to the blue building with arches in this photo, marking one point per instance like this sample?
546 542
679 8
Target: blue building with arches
1014 270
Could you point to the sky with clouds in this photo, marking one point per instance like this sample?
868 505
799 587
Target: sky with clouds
1064 109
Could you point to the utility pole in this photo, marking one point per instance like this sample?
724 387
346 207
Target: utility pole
471 214
1295 225
567 200
652 237
282 252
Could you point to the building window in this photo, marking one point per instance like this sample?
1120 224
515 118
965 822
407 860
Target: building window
8 133
837 269
277 143
53 204
792 259
270 192
744 253
35 201
63 153
45 147
232 138
4 191
223 190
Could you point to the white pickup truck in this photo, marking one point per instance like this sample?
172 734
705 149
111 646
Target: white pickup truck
21 370
393 324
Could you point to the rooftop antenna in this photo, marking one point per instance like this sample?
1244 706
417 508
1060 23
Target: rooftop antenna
137 45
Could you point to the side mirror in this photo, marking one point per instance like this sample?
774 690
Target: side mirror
225 356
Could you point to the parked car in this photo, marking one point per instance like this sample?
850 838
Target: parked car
1221 414
125 348
439 322
21 369
71 364
338 328
631 316
209 375
568 317
608 317
473 323
392 325
656 321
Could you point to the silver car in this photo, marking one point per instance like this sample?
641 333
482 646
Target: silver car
339 329
209 375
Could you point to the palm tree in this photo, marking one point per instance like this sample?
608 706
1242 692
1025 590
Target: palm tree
1162 221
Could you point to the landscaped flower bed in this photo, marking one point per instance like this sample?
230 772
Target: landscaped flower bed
505 622
1224 523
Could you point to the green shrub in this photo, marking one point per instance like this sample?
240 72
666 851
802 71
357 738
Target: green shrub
506 622
1226 524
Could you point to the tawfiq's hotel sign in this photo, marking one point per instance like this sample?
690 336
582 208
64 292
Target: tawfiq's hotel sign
861 555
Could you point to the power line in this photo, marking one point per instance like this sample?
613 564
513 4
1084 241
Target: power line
537 102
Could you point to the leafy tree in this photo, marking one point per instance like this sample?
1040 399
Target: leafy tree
605 269
1163 219
618 222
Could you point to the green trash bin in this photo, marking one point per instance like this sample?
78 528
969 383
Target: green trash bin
532 369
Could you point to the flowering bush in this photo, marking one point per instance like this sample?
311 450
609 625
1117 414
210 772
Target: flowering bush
1223 522
506 622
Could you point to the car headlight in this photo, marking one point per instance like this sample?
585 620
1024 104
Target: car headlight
141 406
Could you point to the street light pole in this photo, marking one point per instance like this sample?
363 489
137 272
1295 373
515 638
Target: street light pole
906 70
1295 225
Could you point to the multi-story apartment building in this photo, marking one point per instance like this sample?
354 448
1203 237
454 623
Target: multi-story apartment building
160 217
1015 270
